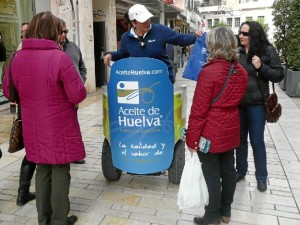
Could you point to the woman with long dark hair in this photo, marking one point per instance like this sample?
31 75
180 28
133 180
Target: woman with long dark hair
260 59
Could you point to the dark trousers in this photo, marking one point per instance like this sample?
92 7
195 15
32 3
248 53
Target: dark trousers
52 193
219 173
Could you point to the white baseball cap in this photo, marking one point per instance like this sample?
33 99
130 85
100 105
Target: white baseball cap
139 13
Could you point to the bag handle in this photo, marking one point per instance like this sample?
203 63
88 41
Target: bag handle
225 84
12 90
13 94
273 87
260 87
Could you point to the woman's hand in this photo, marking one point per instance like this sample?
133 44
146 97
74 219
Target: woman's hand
256 62
198 33
192 150
107 59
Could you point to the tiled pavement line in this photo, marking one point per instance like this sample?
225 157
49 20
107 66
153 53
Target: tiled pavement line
284 202
150 200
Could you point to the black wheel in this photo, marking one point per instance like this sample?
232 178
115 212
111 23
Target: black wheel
176 168
110 172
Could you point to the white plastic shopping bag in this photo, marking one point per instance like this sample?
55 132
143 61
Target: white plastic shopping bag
192 189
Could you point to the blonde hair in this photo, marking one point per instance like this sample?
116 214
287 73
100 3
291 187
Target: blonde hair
221 43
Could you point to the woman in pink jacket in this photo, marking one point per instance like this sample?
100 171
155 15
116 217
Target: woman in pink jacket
217 119
49 87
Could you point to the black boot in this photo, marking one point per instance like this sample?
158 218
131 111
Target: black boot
71 220
26 174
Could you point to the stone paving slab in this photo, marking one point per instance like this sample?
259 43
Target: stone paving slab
151 200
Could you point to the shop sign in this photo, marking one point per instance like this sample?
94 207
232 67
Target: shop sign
98 13
141 115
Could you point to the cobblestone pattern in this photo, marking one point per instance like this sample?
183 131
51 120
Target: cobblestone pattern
151 200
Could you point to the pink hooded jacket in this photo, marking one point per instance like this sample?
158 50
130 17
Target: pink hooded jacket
49 87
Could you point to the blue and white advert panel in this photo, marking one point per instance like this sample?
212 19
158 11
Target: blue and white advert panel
141 115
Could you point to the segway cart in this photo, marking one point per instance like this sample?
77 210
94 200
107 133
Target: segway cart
143 115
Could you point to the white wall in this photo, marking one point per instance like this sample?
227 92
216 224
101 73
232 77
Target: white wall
42 5
80 24
107 12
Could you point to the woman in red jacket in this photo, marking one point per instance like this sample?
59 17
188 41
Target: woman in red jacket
217 119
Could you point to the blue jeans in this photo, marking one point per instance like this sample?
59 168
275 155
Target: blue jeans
253 120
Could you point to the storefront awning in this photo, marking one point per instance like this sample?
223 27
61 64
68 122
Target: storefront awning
154 6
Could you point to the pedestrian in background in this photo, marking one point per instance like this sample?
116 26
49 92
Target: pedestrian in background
72 50
182 56
217 119
75 54
27 167
2 56
148 40
49 87
260 59
24 27
173 52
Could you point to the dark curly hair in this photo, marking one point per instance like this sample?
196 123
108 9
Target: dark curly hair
258 39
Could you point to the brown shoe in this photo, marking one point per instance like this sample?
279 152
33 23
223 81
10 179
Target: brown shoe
225 219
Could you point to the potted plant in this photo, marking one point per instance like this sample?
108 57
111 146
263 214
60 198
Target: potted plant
286 20
280 13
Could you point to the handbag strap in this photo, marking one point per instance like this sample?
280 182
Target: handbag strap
224 86
260 87
13 94
12 90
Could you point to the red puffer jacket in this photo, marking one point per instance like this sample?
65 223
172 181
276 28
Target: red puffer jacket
220 122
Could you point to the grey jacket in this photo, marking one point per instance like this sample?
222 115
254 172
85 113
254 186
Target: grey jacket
75 54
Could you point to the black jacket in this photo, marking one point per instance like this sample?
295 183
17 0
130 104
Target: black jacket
2 52
271 70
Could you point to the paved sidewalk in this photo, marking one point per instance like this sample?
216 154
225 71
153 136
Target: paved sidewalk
151 200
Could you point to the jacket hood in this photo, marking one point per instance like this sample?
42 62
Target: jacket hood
42 44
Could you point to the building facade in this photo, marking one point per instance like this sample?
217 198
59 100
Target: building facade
95 26
234 12
12 15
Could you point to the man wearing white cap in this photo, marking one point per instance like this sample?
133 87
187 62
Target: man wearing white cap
149 40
